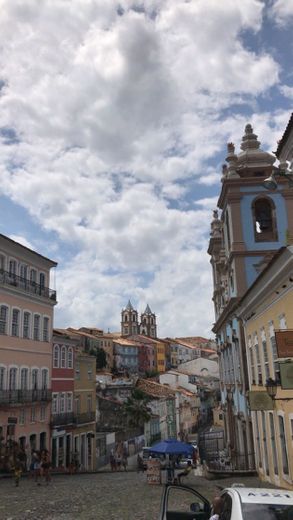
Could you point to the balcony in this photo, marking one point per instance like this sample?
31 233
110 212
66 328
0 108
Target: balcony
18 397
63 419
26 286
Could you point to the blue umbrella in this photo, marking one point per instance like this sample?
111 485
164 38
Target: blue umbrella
172 447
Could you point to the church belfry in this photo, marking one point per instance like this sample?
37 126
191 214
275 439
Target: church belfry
148 325
131 326
129 320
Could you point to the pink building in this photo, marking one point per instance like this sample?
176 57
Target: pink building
26 324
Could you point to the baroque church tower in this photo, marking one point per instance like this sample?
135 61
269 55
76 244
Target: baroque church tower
129 321
131 326
148 324
252 225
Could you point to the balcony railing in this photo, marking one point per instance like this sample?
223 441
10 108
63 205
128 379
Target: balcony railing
62 419
26 286
12 397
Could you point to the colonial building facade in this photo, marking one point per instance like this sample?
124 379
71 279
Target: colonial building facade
266 311
254 223
26 321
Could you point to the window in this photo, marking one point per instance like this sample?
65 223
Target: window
2 263
33 276
62 403
35 378
266 359
258 363
12 378
77 405
24 379
56 356
3 319
273 443
46 329
26 325
2 378
264 220
77 371
23 272
45 378
283 446
69 402
54 403
89 403
42 280
275 356
15 322
12 268
265 447
89 372
33 414
258 440
22 416
63 357
37 327
70 358
43 413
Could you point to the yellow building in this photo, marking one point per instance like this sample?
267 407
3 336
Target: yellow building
265 309
160 348
84 434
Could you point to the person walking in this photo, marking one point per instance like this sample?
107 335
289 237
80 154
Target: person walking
45 466
124 462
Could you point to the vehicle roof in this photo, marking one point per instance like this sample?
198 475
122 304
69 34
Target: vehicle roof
262 495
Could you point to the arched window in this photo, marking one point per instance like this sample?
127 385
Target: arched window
63 357
264 220
125 317
35 376
2 377
70 358
45 378
24 379
133 317
56 356
12 378
3 319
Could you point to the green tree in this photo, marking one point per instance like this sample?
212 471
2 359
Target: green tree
136 409
100 355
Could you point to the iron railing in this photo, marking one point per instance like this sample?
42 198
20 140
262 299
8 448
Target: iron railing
26 286
235 462
60 419
12 397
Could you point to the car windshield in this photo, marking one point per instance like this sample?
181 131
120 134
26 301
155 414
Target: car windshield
267 511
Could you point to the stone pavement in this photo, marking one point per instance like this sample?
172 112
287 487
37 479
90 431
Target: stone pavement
99 496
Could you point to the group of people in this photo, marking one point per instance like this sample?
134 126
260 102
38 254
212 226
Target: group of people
40 466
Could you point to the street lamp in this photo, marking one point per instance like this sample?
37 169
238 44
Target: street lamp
272 387
270 182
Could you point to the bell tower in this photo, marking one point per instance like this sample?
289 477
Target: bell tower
148 325
129 320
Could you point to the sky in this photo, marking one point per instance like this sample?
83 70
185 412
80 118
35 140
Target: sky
114 120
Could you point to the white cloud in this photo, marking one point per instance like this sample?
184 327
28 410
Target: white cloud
117 115
22 240
282 12
287 91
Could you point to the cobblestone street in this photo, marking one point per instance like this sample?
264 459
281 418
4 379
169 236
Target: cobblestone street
99 496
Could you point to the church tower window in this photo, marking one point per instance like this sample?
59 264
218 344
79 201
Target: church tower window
264 220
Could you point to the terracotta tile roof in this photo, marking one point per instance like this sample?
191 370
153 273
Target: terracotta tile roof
154 389
126 341
81 333
185 392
